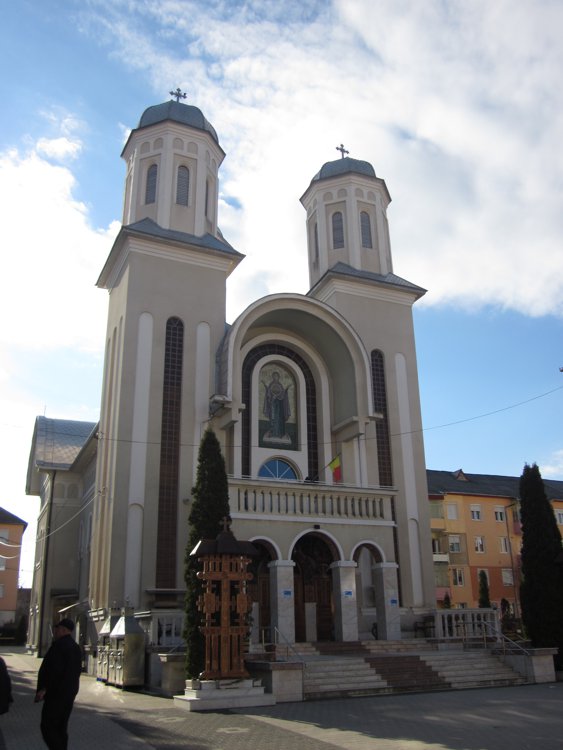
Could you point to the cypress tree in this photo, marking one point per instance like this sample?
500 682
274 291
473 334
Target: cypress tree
210 504
541 591
484 597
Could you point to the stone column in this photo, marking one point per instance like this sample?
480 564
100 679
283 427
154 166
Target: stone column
387 601
345 600
282 599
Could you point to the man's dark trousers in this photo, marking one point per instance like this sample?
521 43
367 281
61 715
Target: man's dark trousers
54 722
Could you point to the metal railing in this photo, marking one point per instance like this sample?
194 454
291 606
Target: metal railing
506 643
287 644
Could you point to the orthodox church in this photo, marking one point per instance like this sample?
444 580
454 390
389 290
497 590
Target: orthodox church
314 399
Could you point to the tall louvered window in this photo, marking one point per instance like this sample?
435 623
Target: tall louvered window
316 241
337 230
169 455
365 228
150 189
379 391
183 186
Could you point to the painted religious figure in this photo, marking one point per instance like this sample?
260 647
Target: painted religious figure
277 397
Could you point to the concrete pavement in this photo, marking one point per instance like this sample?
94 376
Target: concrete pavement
518 718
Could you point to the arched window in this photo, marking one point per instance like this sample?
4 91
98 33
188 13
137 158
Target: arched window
150 189
276 468
365 228
183 186
337 230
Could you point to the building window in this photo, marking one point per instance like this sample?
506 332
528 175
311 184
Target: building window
150 188
207 198
277 469
503 542
457 577
183 186
168 489
454 543
507 577
316 242
452 512
479 544
379 393
475 512
337 230
1 590
2 563
499 513
559 517
365 228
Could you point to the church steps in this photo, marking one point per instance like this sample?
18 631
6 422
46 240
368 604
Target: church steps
338 670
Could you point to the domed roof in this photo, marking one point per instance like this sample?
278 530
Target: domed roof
186 114
343 166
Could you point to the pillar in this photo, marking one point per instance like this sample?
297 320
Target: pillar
387 601
345 600
282 599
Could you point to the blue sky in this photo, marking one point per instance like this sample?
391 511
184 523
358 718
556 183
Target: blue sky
458 106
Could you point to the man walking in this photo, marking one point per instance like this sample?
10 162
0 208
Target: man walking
57 685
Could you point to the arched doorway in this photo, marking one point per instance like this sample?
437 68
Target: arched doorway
366 556
259 589
314 607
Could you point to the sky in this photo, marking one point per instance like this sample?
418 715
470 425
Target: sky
457 105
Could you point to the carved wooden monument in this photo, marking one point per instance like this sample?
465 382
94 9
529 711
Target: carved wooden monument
225 603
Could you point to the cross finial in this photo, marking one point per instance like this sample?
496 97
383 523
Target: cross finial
342 150
178 94
226 521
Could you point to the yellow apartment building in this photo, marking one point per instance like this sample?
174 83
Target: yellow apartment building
475 524
11 533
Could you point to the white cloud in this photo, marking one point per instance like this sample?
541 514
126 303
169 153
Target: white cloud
553 467
58 148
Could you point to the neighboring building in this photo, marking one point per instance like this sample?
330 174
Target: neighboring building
476 526
295 382
11 534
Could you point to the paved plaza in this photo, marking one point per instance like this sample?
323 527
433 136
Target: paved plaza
518 718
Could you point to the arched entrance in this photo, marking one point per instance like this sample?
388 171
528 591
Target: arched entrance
259 589
314 606
367 556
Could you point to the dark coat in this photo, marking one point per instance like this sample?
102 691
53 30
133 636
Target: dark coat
5 688
59 674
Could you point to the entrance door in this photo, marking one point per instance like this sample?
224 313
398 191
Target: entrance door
313 585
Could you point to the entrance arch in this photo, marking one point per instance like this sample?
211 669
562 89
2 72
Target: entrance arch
313 555
259 589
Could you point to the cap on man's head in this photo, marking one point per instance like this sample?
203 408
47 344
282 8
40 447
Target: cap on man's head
65 623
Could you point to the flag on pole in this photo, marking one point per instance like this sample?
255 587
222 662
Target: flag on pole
336 469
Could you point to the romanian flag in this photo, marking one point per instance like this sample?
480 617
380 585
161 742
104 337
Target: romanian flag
336 469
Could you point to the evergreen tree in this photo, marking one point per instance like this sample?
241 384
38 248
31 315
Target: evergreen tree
484 597
541 591
210 504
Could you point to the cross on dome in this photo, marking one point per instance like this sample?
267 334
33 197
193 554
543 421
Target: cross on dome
178 94
342 150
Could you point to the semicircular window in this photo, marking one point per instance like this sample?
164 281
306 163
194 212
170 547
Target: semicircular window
275 468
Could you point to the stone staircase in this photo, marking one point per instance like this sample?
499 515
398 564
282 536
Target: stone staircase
382 667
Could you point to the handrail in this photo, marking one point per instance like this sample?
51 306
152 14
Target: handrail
504 639
287 644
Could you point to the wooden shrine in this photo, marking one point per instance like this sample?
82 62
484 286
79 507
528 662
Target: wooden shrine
225 603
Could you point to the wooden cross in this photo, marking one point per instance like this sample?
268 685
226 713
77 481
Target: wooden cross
226 521
342 150
178 94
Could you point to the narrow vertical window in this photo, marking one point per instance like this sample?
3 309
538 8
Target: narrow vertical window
379 392
337 230
207 198
150 190
316 242
183 186
365 227
169 455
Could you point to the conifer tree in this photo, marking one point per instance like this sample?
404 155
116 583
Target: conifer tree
210 504
484 597
541 591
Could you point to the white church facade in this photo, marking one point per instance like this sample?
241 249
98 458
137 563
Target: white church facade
295 382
